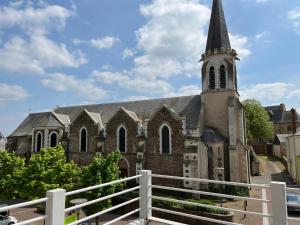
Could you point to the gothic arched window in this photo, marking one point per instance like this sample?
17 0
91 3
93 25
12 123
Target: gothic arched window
122 139
83 140
212 78
165 139
53 139
38 141
222 77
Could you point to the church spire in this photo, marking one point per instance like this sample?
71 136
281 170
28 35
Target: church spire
218 37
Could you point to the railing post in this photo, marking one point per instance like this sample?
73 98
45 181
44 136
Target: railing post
279 207
55 207
145 195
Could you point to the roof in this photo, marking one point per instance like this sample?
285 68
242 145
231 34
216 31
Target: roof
63 119
94 116
218 37
131 114
287 117
211 135
278 114
35 120
186 106
275 113
282 137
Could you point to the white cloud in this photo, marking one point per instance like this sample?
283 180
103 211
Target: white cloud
267 92
128 53
262 1
136 98
34 20
294 16
262 36
170 43
10 93
143 85
37 54
34 52
99 43
239 43
185 90
174 37
85 88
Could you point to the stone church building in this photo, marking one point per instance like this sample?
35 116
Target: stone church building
201 136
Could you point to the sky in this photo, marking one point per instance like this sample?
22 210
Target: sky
71 52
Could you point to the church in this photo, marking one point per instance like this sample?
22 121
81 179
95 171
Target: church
199 136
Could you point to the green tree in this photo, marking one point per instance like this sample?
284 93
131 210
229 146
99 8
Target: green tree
48 170
258 121
101 170
11 173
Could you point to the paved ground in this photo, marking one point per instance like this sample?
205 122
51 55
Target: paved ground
273 170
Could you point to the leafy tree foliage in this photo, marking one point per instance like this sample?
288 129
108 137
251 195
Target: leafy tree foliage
258 121
101 170
11 173
48 170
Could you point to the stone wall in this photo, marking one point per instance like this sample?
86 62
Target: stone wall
131 127
83 158
168 164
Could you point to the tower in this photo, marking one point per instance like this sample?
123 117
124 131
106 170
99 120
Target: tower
223 111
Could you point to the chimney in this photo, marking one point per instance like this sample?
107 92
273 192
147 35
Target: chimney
294 117
282 107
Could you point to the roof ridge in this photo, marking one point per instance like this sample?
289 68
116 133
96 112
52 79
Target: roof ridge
122 102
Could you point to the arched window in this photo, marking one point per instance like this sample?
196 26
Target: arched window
165 139
122 139
83 140
212 78
53 139
222 77
38 141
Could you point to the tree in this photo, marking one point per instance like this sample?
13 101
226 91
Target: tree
101 170
49 170
258 121
11 173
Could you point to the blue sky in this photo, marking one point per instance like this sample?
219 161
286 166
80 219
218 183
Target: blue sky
69 52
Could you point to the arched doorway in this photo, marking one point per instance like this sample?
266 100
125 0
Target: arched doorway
123 167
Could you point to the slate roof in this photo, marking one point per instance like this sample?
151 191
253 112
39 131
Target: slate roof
287 117
34 120
218 37
211 135
277 115
280 138
188 106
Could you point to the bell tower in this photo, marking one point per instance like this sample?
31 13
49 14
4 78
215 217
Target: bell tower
218 70
223 111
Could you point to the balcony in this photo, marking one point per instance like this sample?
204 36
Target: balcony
144 212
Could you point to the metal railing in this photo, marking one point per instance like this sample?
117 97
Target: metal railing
56 211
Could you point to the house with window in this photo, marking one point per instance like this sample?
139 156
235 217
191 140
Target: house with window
200 136
282 119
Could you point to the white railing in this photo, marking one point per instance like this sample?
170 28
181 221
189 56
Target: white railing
55 201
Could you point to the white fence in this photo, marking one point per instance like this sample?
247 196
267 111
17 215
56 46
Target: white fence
55 201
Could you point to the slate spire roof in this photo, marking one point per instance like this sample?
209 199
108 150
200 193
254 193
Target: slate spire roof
218 37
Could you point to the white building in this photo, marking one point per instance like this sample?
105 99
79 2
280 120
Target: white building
2 142
293 156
